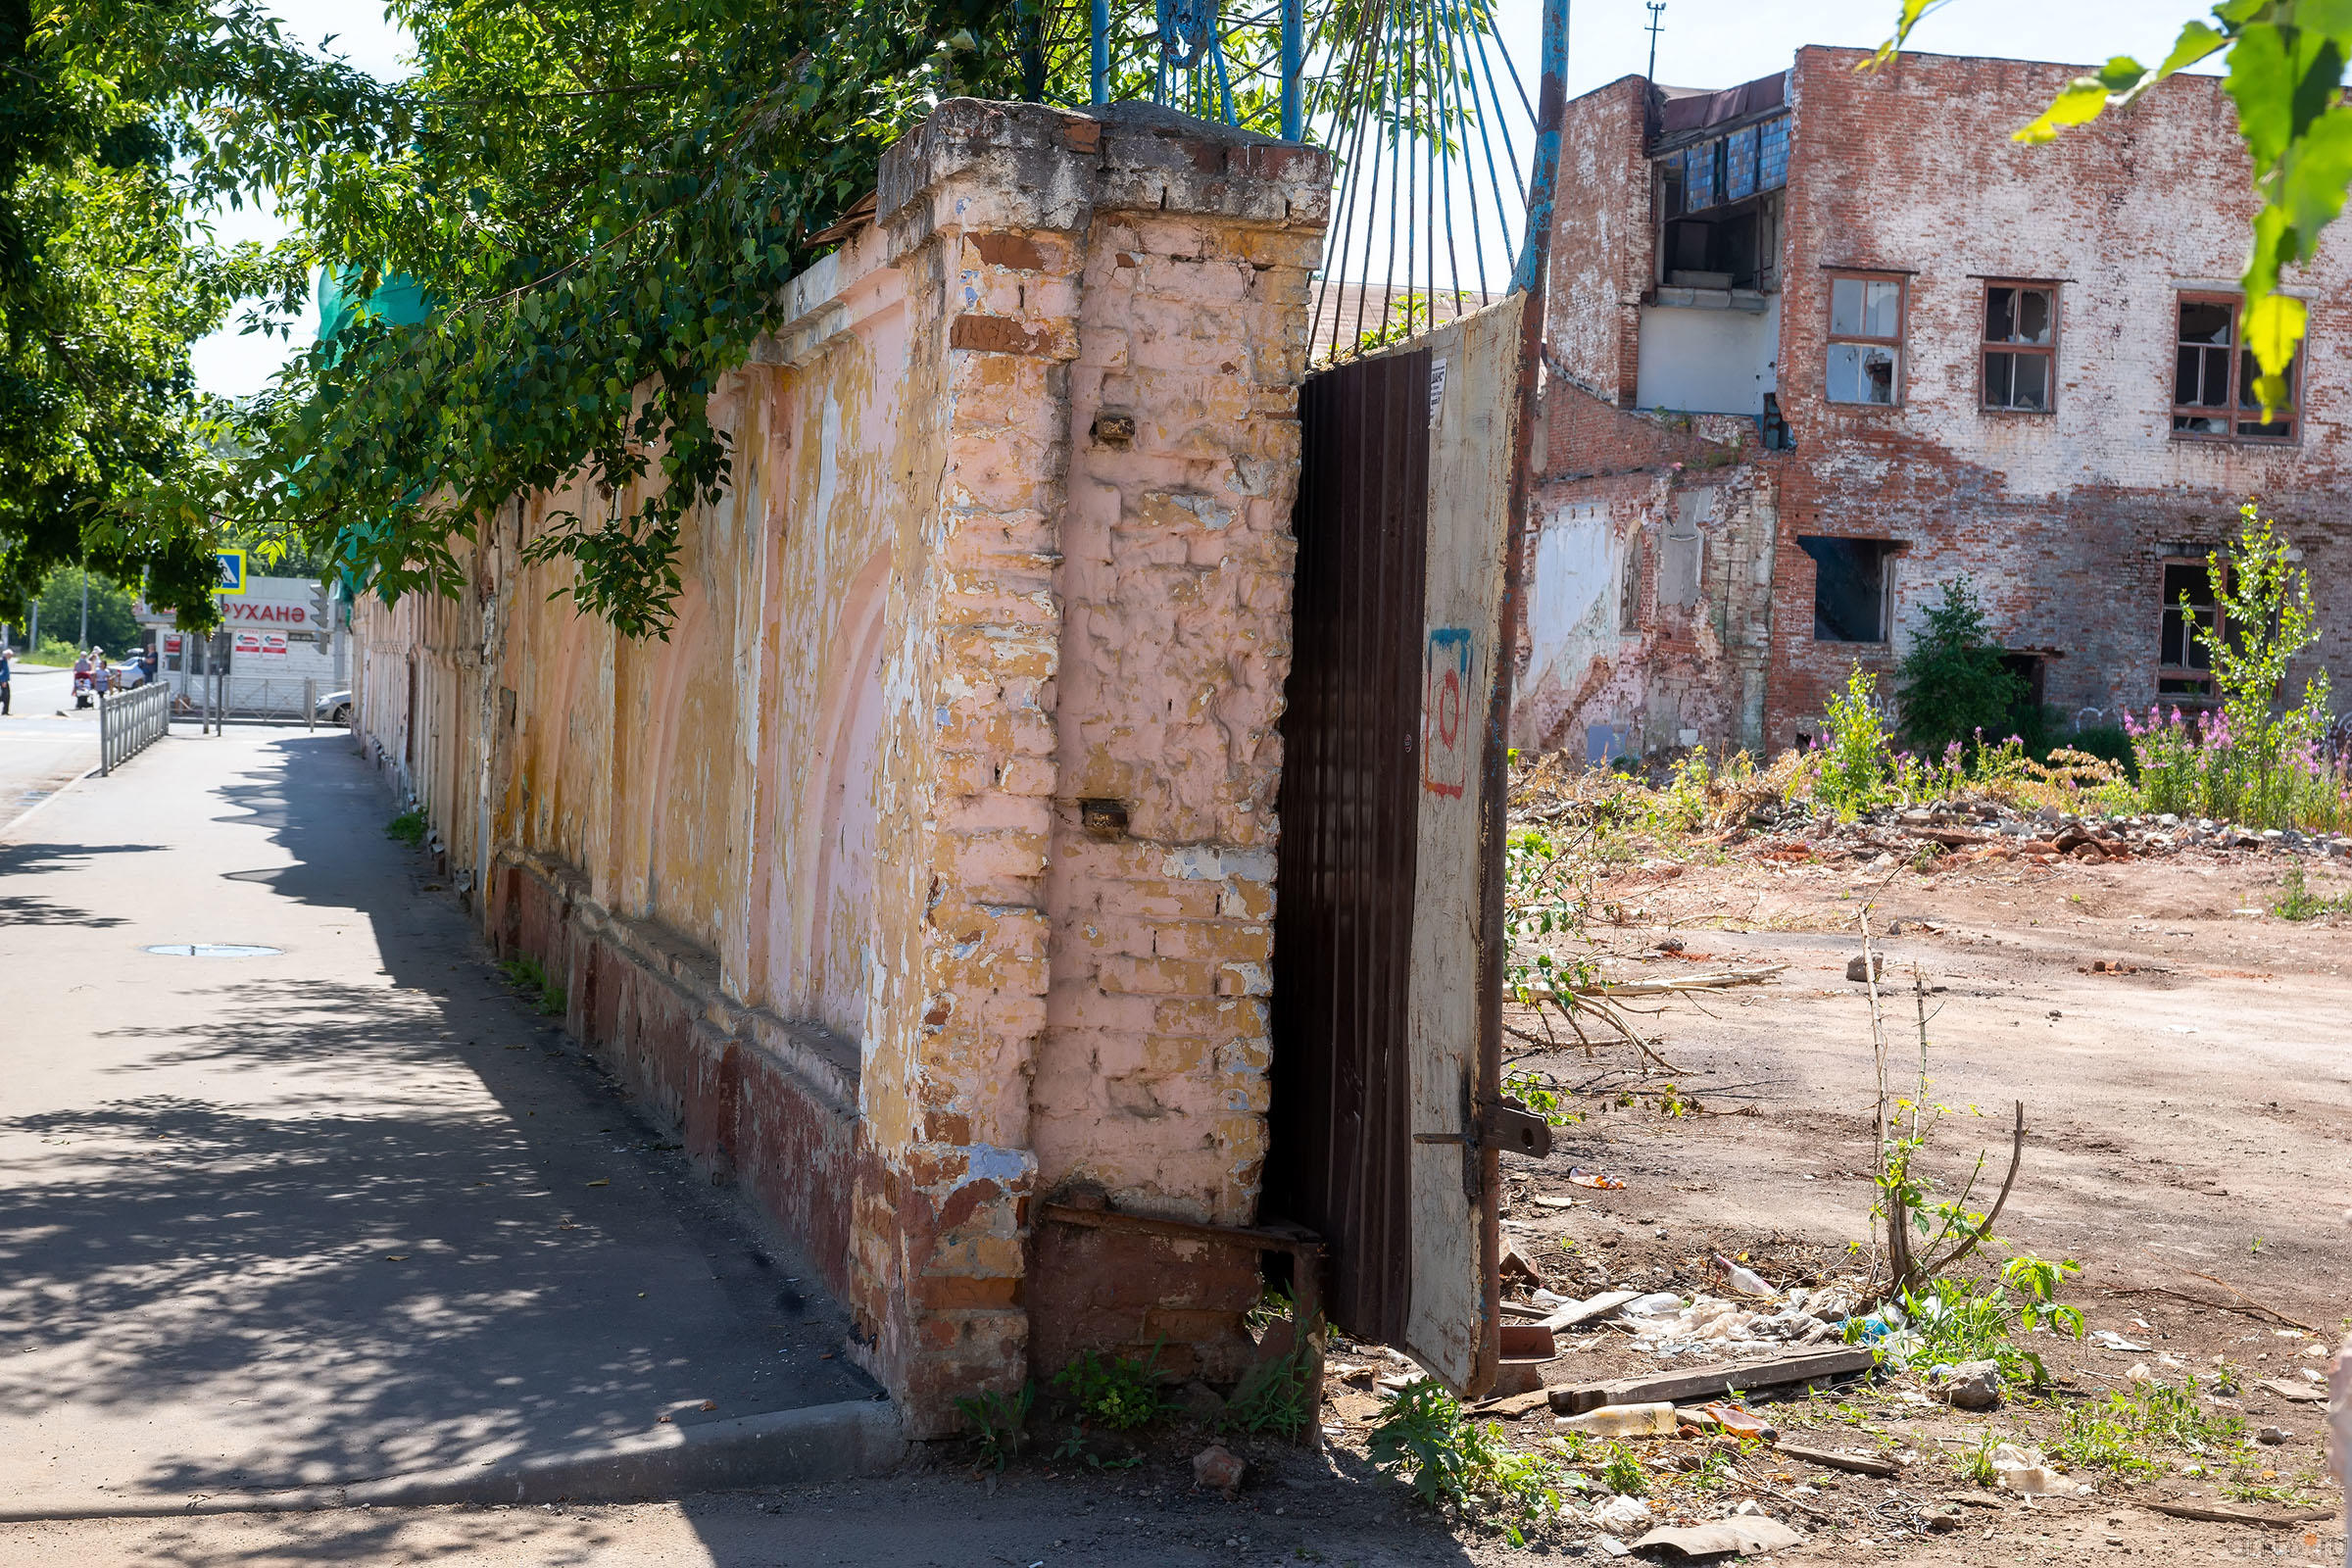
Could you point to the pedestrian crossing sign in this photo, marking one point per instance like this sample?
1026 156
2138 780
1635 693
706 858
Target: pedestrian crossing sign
230 577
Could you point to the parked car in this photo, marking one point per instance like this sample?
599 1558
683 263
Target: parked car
334 708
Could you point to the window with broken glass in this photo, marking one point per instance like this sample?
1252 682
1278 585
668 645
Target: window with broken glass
1850 589
1866 340
2191 621
2021 347
2213 377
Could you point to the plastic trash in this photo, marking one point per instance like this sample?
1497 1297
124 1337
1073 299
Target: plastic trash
1623 1421
1658 1303
2109 1340
1740 1422
2025 1472
1621 1515
1746 1281
1582 1177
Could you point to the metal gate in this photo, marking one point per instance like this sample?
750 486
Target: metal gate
1387 1113
1342 1140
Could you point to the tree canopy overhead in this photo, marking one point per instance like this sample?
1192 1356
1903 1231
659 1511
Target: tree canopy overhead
119 118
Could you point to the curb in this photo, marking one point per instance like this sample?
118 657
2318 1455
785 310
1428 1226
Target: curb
25 815
819 1443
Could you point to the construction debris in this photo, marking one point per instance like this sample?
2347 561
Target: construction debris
1815 1366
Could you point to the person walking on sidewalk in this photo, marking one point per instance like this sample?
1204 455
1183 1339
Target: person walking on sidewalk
5 660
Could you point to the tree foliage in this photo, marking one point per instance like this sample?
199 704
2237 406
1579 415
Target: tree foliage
603 201
1954 686
2286 73
120 121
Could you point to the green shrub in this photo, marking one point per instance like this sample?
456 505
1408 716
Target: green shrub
408 827
1855 760
1954 685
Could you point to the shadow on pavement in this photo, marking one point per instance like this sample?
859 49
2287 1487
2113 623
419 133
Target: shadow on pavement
321 1227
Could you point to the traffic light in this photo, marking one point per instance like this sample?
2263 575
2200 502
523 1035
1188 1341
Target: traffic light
322 605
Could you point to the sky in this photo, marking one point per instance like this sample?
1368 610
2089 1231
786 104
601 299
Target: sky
1702 44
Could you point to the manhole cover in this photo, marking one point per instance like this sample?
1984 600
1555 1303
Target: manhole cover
214 949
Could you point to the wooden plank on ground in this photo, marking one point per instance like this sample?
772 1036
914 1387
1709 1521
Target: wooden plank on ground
2224 1514
1861 1464
1706 1382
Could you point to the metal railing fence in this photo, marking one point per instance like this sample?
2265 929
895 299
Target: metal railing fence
128 722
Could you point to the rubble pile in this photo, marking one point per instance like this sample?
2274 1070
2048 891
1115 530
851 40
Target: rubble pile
1960 832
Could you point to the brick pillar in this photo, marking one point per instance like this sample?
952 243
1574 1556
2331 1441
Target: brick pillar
1039 249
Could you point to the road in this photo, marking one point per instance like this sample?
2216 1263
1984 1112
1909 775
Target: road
339 1213
43 742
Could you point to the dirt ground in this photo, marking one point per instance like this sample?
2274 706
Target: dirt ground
2188 1109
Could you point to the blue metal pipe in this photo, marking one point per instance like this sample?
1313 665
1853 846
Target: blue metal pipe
1293 60
1101 75
1552 98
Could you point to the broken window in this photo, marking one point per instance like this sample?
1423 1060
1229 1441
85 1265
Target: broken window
2212 376
2020 343
2185 657
1866 339
1849 589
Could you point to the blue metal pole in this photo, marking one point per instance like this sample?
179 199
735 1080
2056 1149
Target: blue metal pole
1294 59
1551 103
1100 78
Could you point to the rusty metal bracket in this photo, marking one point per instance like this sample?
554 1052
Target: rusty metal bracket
1513 1128
1505 1126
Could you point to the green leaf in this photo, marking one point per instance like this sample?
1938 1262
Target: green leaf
2078 105
2274 327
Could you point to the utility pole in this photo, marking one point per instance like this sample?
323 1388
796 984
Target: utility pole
83 643
1655 7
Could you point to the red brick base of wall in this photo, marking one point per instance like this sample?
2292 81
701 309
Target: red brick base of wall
743 1111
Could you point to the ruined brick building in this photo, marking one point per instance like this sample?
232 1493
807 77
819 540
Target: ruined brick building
1822 342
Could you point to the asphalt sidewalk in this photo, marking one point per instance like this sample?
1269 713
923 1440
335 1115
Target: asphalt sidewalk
349 1215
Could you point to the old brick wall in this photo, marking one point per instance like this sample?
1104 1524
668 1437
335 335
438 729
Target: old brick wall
926 866
1590 665
2063 519
1603 242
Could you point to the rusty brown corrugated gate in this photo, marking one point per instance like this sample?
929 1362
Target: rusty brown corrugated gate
1341 1142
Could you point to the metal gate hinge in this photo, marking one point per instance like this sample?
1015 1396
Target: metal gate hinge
1505 1125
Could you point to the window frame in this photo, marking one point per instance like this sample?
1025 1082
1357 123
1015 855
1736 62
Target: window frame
2047 352
1832 337
2231 407
1883 551
2168 608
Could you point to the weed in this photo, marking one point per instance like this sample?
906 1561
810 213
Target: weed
2297 902
1463 1468
1119 1392
2255 1246
525 975
1623 1474
1952 1319
999 1426
2248 1483
1273 1397
2114 1433
408 827
1273 1306
1854 761
1975 1464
